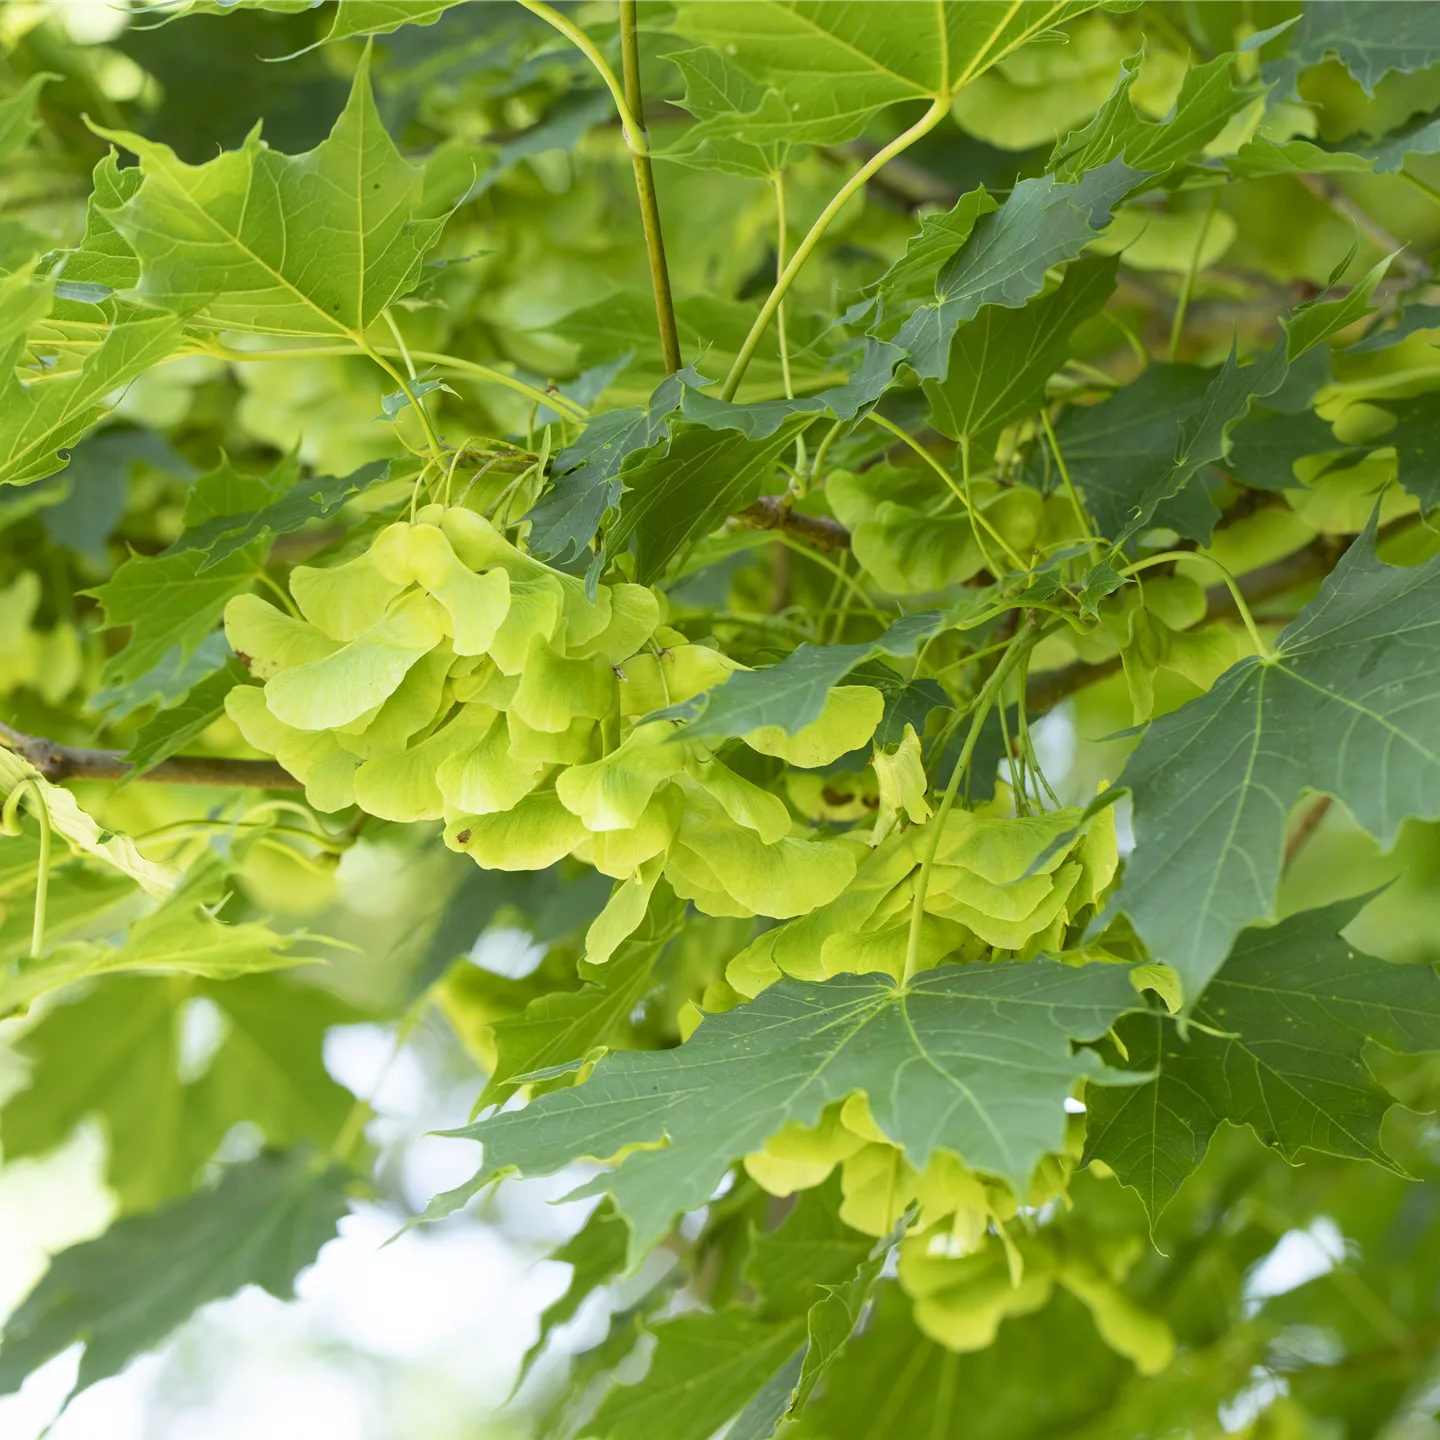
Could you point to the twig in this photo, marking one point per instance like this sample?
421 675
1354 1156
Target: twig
1342 204
1306 826
76 762
772 512
645 188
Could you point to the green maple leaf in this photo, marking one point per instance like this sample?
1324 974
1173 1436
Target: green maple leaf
171 731
123 1293
1370 41
1003 262
586 479
39 416
1000 361
727 104
562 1027
815 1276
703 476
792 694
811 1247
1286 1022
1208 99
170 602
705 1368
18 121
231 242
596 1254
182 935
1348 706
225 531
911 277
974 1058
115 1054
835 66
1114 449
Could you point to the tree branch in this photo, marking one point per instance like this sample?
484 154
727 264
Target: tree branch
772 512
76 762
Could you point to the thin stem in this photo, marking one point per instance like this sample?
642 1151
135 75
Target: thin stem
33 789
1429 191
977 519
1131 338
430 357
400 343
1231 584
983 703
266 579
968 496
1183 304
824 560
432 438
778 179
1080 514
939 108
817 469
798 485
555 400
645 189
634 129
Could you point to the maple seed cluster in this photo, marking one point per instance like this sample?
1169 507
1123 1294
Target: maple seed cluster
445 674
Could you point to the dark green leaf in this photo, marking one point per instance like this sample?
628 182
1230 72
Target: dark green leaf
975 1058
1370 40
1277 1044
596 1254
792 693
1349 706
1042 223
171 731
1000 361
125 1292
705 1368
318 498
1114 449
703 476
565 1026
115 1055
1208 99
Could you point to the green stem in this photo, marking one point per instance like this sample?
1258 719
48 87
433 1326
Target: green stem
430 357
1429 191
1183 304
645 189
1080 514
798 487
33 789
634 129
983 703
817 469
432 438
1261 647
800 548
939 108
977 520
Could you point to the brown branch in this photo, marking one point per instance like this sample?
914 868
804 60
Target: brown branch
772 512
1306 826
77 762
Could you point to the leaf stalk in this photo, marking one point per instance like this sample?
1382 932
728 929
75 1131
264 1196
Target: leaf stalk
939 108
645 189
